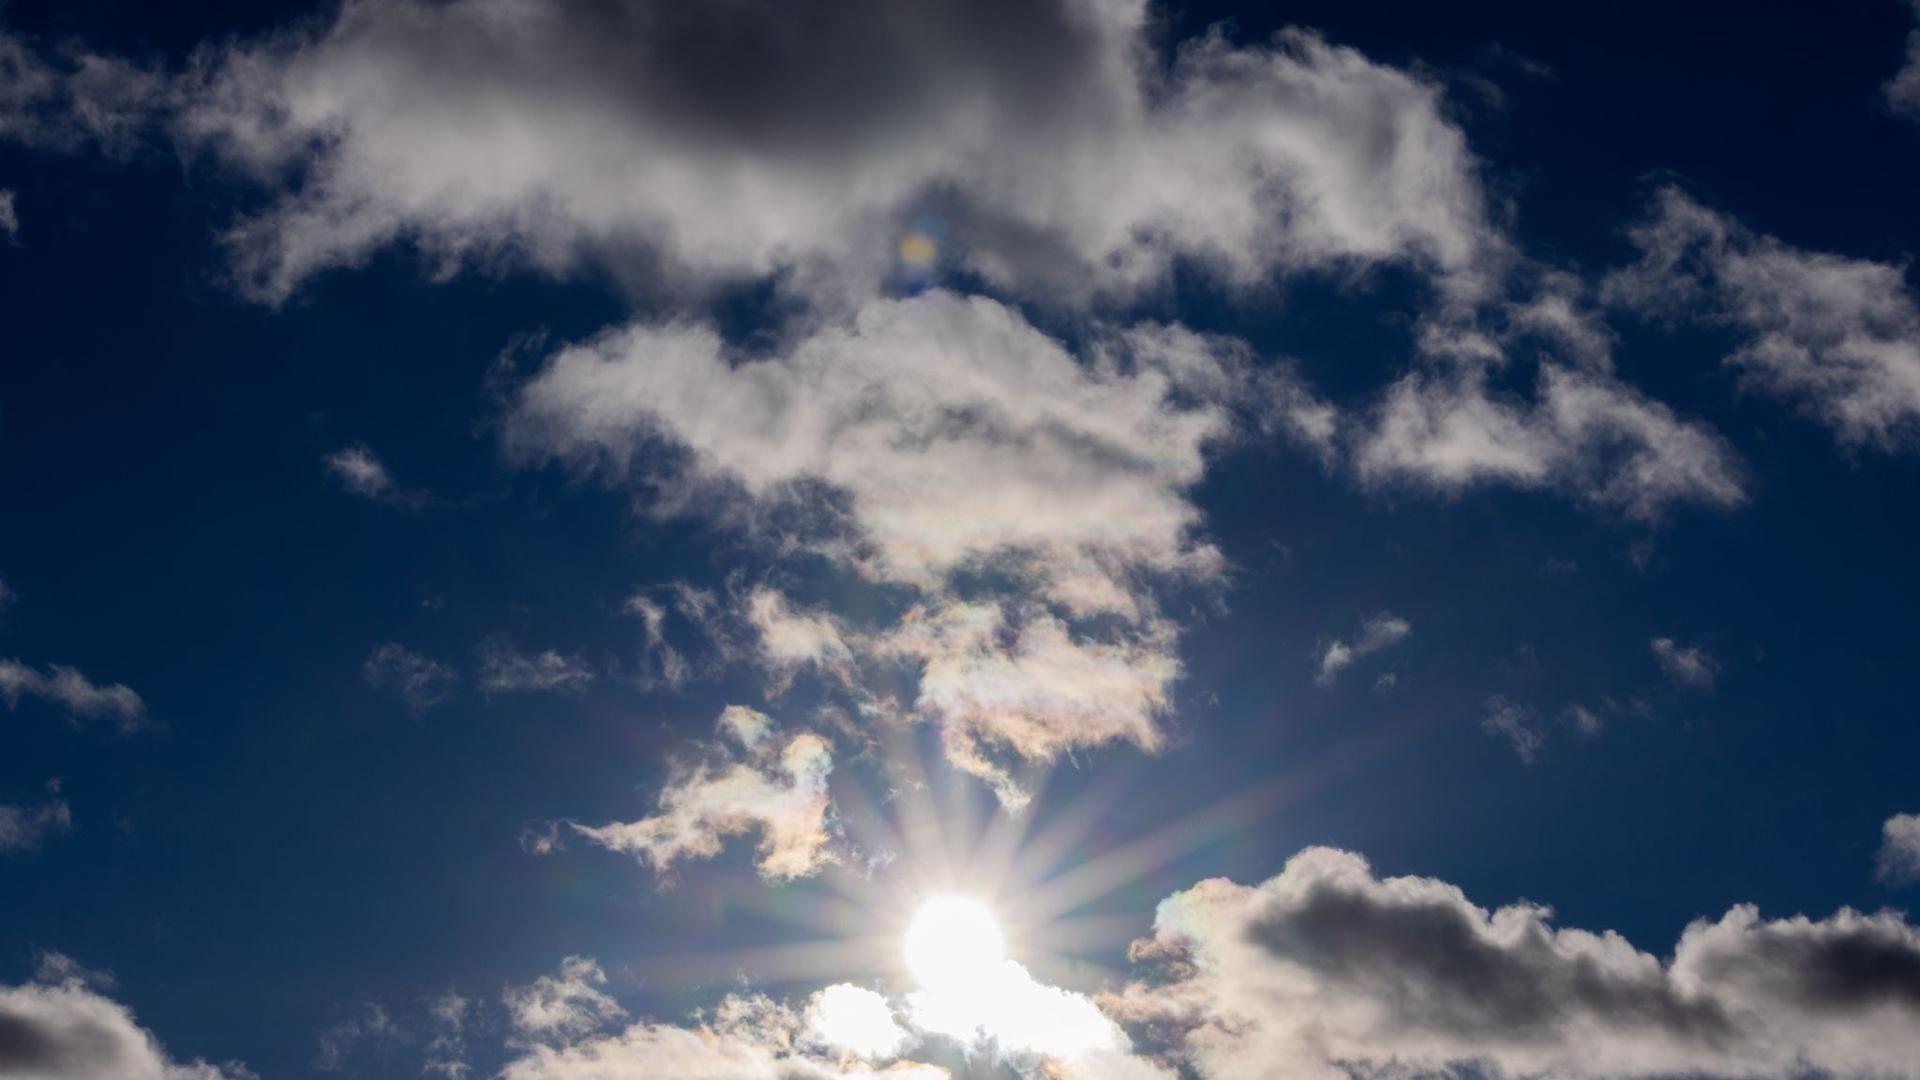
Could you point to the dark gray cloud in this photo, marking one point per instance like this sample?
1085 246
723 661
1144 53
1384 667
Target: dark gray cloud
1327 969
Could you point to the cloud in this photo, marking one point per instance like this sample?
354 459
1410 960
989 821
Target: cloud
1515 723
772 785
1903 90
1328 970
854 1020
1688 665
572 1003
72 691
500 668
369 1023
1899 861
1056 146
9 219
926 439
420 682
58 1027
666 666
1377 632
23 828
1585 432
76 98
361 471
1837 337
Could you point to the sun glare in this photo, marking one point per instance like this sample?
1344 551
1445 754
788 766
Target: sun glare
954 944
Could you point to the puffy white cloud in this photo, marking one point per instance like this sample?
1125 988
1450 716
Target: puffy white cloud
945 432
1838 337
1327 969
421 682
1377 632
1053 143
1584 432
563 1006
1903 90
1688 665
72 691
1899 861
58 1027
774 786
500 668
744 1038
853 1020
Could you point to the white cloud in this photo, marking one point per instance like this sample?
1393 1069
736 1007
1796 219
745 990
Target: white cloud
1903 90
1327 970
9 218
1899 861
563 1006
1054 144
947 433
75 98
1688 665
362 472
775 786
58 1027
1377 632
500 668
369 1022
24 828
72 691
1838 337
1517 724
854 1020
664 664
421 682
1585 432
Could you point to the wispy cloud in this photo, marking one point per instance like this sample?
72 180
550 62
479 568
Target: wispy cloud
500 668
1689 665
1899 861
420 681
74 692
1377 632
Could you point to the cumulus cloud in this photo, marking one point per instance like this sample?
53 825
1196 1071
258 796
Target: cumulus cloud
23 828
1899 861
1688 665
1377 632
500 668
572 1003
767 783
419 681
1837 337
945 432
58 1027
72 691
1056 144
1584 432
1903 90
1327 969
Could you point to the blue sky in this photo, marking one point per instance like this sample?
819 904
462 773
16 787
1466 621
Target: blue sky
538 536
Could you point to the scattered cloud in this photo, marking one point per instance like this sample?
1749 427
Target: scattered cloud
369 1023
1328 969
1688 665
1069 151
9 218
569 1004
1517 724
74 692
664 665
1903 90
1376 632
75 99
1837 337
361 471
770 784
447 1048
24 828
420 682
60 1027
1899 862
500 669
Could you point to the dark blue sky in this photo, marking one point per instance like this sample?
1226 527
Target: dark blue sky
283 843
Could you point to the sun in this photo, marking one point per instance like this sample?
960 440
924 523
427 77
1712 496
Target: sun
954 944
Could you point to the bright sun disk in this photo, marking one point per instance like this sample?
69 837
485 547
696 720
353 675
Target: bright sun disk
954 944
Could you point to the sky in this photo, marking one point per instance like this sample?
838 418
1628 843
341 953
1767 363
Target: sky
1068 539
